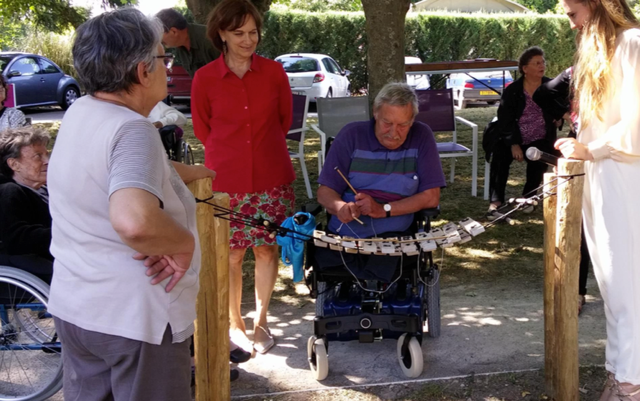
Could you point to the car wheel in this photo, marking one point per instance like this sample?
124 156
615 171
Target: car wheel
330 93
491 102
71 94
348 91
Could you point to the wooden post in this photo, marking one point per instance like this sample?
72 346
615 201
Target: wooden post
567 267
212 305
549 279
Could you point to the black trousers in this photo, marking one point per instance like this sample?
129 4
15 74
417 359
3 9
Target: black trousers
34 264
501 164
584 265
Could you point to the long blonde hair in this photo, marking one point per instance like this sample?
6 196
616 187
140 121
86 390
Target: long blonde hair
592 77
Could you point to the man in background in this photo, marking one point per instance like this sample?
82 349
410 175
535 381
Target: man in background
191 46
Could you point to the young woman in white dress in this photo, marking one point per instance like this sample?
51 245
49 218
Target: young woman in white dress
607 90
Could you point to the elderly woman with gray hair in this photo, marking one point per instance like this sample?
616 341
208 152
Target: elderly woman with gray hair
125 243
25 222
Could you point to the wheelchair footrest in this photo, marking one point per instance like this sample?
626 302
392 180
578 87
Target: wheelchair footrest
366 322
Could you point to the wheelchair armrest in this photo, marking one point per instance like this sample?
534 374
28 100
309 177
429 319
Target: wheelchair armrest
422 218
312 208
167 129
429 213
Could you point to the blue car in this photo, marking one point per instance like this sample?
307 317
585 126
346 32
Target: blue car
467 89
38 81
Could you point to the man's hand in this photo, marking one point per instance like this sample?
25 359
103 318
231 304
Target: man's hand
369 207
348 212
161 267
158 124
516 152
572 149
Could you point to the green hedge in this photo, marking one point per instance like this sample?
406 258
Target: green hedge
431 36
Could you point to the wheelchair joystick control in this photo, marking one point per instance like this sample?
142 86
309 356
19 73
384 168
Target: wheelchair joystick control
365 323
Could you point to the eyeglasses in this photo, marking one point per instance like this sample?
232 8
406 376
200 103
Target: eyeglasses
167 59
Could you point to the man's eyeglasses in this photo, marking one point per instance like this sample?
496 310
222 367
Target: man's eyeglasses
167 59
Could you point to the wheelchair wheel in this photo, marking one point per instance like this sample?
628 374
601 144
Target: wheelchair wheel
30 352
187 154
318 358
433 304
320 300
410 356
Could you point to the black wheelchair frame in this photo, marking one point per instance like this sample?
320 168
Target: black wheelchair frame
416 291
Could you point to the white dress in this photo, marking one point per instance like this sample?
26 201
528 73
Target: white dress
611 208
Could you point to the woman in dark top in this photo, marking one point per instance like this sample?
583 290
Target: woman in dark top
25 222
522 124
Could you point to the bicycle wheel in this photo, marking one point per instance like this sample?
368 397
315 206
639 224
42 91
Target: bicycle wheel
30 352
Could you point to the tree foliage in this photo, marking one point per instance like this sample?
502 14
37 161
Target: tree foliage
201 8
51 15
433 36
540 6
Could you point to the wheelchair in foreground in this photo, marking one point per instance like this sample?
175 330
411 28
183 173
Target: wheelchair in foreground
177 148
351 307
30 350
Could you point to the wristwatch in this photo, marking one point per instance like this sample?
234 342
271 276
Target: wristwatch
387 208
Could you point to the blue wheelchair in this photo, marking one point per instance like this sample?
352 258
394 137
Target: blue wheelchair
353 305
30 350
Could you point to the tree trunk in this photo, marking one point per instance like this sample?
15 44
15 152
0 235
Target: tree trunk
201 8
385 32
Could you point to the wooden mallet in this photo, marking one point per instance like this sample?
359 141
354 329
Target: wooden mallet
352 188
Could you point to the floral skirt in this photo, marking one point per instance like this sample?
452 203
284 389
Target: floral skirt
274 204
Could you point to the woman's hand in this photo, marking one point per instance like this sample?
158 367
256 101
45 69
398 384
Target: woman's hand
572 149
192 173
516 152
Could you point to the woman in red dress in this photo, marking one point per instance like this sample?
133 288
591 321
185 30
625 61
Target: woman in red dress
242 110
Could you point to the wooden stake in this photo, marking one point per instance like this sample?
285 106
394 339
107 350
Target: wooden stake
549 279
212 305
567 267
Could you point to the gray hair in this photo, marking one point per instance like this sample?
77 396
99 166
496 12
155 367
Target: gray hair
108 48
13 140
396 94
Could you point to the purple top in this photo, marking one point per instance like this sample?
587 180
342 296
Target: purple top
384 174
532 125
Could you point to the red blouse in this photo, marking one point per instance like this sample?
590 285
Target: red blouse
243 124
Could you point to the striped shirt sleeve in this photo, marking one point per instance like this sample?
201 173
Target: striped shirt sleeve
137 159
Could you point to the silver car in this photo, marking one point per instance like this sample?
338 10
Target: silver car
317 75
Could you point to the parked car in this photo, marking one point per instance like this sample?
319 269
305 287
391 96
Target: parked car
317 75
467 89
38 81
178 85
416 81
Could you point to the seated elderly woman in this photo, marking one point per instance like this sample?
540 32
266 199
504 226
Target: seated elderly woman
9 117
392 163
25 222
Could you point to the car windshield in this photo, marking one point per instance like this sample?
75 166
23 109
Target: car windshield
4 61
298 64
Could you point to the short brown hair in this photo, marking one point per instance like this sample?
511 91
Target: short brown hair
230 15
527 55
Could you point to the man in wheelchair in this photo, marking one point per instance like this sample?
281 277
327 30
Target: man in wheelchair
169 123
393 171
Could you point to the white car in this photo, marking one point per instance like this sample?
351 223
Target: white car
416 81
317 75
